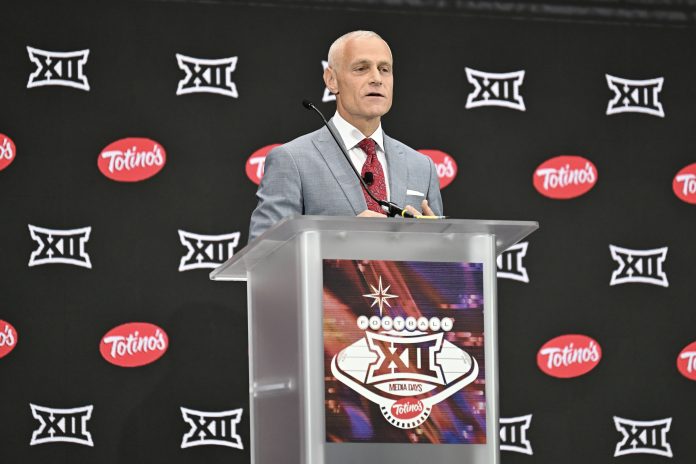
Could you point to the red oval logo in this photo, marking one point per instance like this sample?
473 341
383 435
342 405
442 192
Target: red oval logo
132 159
8 338
407 408
134 344
569 356
7 151
686 361
565 177
684 184
445 164
255 163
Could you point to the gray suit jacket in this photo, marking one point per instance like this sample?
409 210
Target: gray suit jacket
310 175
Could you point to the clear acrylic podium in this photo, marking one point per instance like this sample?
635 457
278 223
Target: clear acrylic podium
283 268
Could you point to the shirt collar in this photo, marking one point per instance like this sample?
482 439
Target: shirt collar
352 136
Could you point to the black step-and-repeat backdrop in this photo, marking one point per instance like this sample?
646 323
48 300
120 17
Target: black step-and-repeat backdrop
132 137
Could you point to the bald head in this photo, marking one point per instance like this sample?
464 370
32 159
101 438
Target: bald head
337 47
360 75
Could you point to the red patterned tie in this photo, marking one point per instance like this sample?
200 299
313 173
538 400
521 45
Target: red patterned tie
372 164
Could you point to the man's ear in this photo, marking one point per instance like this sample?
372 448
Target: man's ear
330 80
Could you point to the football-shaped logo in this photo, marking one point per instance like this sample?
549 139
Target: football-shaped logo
7 151
684 184
134 344
445 164
132 159
565 177
256 162
569 356
8 338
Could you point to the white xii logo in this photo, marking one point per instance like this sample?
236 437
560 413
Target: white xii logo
328 96
207 76
513 434
643 437
212 428
61 425
632 96
639 266
60 246
206 251
58 68
495 89
510 265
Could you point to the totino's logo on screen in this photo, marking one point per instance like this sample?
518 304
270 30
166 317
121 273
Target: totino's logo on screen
684 184
132 159
7 151
686 361
8 338
134 344
565 177
445 164
569 356
256 162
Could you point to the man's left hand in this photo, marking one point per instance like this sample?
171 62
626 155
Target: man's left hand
424 207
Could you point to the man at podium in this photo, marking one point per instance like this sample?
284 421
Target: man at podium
311 175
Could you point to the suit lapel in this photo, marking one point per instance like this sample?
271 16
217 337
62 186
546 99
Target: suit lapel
398 172
341 170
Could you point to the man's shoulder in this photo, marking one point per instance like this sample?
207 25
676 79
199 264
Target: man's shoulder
300 144
411 153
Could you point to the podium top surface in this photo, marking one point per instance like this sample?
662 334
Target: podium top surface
507 233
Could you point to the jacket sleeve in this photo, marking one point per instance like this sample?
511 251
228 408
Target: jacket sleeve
434 198
279 194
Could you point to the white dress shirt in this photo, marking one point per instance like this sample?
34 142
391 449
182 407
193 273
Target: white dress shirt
352 136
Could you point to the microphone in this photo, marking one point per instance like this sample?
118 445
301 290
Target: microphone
369 178
392 209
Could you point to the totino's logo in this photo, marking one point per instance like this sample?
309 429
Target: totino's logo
58 68
58 246
495 89
132 159
207 76
686 361
406 366
565 177
684 184
134 344
206 251
8 338
212 428
328 96
256 162
632 96
569 356
61 425
7 151
643 437
445 164
513 434
510 265
639 266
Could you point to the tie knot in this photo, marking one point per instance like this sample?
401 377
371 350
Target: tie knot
368 146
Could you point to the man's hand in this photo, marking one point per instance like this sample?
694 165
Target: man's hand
424 206
370 213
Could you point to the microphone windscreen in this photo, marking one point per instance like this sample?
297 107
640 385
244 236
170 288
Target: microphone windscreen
307 104
369 178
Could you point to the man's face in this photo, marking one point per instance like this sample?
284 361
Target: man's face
362 79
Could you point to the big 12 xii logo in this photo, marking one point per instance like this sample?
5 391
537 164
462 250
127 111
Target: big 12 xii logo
409 349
